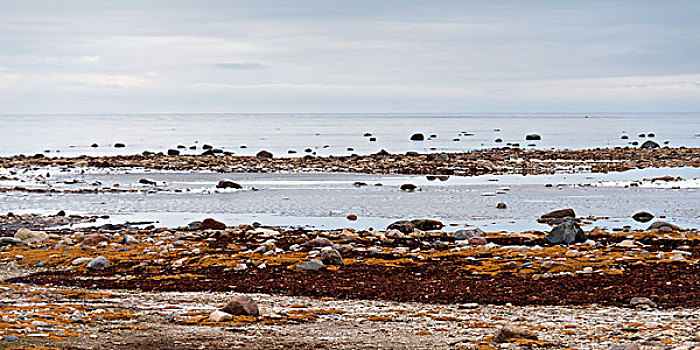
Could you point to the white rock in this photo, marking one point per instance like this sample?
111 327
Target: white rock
219 316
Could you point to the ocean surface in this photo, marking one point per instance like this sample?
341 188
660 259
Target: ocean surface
325 134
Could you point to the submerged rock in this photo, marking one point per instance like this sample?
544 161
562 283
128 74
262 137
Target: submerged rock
642 216
568 232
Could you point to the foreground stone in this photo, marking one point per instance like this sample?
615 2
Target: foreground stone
242 305
568 232
509 333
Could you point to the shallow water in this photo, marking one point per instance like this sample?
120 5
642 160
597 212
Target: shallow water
323 200
325 134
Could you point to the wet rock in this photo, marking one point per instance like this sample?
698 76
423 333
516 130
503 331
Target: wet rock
662 226
408 187
94 239
312 265
32 237
559 214
147 182
442 157
211 224
406 226
173 152
477 241
642 216
264 154
10 338
228 184
466 234
10 241
568 232
501 205
94 145
97 264
359 184
498 140
417 137
641 301
649 144
220 316
331 257
509 333
61 213
119 145
194 225
351 217
242 305
533 137
318 242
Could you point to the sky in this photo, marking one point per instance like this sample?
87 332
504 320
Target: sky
349 56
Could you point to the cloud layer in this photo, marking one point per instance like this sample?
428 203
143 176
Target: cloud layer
349 56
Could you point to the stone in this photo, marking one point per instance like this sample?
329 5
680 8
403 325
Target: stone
228 184
220 316
318 242
10 241
533 137
663 226
119 145
242 305
94 145
466 234
407 227
641 301
642 216
264 154
311 265
408 187
61 213
10 338
417 137
508 333
97 264
129 240
649 144
331 257
147 182
568 232
80 261
501 206
32 237
477 241
211 224
625 347
559 214
173 152
94 239
351 217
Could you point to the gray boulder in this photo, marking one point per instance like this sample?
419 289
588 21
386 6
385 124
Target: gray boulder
97 264
568 232
312 265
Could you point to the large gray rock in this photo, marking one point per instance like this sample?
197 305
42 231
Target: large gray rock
663 226
312 265
407 226
97 264
466 234
649 144
10 241
568 232
331 257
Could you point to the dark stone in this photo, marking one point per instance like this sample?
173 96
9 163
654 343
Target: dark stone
228 184
264 154
498 140
61 213
642 216
382 152
559 214
407 226
211 224
417 137
205 147
408 187
332 257
663 226
372 139
173 152
242 305
147 182
501 206
568 232
533 137
94 145
466 234
649 144
119 145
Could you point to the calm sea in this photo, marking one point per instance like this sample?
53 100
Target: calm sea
70 135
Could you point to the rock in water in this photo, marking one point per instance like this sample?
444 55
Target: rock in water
312 265
501 206
331 257
532 137
642 216
264 154
211 224
663 226
242 305
568 232
406 226
147 182
228 184
119 145
408 187
97 264
417 137
173 152
559 214
649 144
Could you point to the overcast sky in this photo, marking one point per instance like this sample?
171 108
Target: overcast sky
348 56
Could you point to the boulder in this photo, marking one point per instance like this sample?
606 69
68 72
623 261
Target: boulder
311 265
533 137
173 152
331 257
642 216
242 305
318 242
31 237
406 226
466 234
625 347
147 182
228 184
95 239
220 316
211 224
264 154
559 214
663 226
508 333
119 145
417 137
477 241
641 302
351 217
568 232
501 206
408 187
649 144
97 264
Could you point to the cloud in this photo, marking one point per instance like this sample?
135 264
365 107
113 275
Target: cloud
240 65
